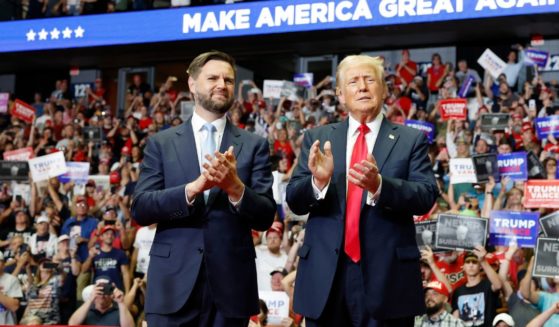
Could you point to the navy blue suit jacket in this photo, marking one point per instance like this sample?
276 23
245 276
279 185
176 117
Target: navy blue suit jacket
389 253
215 231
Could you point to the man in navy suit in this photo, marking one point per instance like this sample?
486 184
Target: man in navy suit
359 264
205 201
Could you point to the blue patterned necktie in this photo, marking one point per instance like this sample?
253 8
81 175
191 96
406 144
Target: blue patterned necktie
208 147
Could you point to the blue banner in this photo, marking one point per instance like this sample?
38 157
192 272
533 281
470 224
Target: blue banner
465 88
251 18
425 127
547 125
78 172
506 226
537 57
514 165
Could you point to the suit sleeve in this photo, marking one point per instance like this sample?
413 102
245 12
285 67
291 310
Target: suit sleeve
152 202
299 193
258 205
416 194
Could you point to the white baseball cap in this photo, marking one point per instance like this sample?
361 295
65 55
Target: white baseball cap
504 317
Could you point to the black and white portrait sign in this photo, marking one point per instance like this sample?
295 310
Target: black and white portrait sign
14 170
547 258
485 165
92 134
460 232
550 224
425 232
494 122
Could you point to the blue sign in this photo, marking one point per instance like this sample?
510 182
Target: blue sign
465 88
514 165
506 226
425 127
251 18
78 172
547 125
537 57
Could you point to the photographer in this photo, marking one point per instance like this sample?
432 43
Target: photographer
43 293
105 307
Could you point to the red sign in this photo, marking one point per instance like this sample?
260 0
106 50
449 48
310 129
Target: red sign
541 193
23 154
23 111
453 109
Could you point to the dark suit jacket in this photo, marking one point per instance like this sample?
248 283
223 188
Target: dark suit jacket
389 253
216 231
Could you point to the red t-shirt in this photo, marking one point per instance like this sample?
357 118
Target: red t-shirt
145 122
285 151
453 271
405 74
436 73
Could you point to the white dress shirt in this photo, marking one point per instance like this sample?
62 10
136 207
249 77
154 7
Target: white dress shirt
352 134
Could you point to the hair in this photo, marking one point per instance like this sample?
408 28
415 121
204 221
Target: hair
202 59
377 63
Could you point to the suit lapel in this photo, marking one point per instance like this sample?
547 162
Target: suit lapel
386 139
338 138
185 146
231 136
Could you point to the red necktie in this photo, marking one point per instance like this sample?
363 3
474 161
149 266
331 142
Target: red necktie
352 245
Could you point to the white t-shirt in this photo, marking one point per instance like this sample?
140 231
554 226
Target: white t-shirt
144 239
10 286
266 262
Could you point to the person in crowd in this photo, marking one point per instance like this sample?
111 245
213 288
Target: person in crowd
43 243
476 301
143 241
406 69
347 269
463 73
270 256
544 301
10 295
105 307
503 320
80 227
205 206
121 239
43 293
436 297
69 267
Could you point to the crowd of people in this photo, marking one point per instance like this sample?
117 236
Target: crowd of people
75 255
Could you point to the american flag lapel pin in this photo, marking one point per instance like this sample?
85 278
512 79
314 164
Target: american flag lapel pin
391 136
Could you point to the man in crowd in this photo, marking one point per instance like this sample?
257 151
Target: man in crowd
436 296
270 256
202 267
80 227
10 294
544 301
359 264
105 307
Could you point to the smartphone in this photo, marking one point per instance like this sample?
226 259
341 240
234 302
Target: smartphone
23 248
50 265
532 104
108 289
109 222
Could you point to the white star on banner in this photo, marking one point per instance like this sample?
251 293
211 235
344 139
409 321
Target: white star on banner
31 35
54 34
43 34
79 32
67 33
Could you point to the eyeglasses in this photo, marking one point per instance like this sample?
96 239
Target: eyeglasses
471 261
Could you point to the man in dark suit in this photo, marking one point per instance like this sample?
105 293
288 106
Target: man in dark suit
205 202
359 264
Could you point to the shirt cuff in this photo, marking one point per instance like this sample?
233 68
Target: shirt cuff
188 202
318 194
372 199
237 204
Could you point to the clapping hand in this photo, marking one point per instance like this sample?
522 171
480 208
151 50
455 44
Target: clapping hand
321 164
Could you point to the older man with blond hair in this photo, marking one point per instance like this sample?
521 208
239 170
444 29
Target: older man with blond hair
361 181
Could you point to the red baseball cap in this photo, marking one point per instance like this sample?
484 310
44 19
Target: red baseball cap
527 126
438 287
106 228
277 227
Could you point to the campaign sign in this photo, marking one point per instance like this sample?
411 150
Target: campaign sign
14 171
23 111
547 125
102 182
453 109
272 89
45 167
4 98
77 173
506 226
304 79
278 305
536 57
93 134
22 190
460 232
426 127
462 171
514 165
465 88
22 154
547 258
535 167
425 233
492 63
541 193
289 90
550 224
485 165
494 122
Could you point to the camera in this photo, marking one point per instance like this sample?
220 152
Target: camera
109 222
50 265
107 289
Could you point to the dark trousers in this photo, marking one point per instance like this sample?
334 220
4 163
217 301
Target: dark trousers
346 303
198 311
